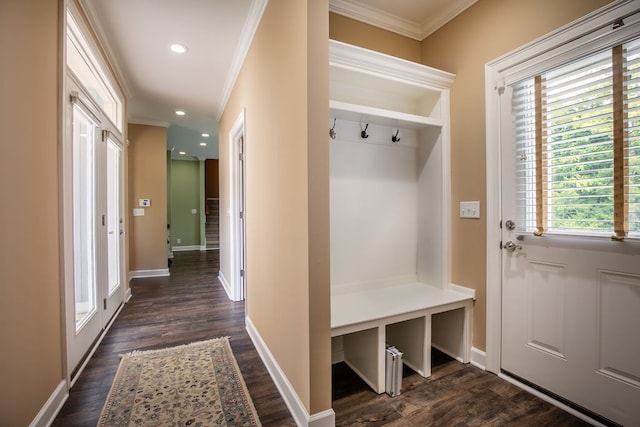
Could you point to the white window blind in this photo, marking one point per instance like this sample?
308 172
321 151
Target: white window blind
564 122
632 124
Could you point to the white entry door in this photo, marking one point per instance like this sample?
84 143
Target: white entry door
570 294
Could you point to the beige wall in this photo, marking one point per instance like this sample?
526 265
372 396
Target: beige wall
30 274
487 30
147 165
283 86
369 37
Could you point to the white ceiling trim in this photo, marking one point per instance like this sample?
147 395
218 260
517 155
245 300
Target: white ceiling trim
438 21
103 42
377 17
246 37
148 122
396 24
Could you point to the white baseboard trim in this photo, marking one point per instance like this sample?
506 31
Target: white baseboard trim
52 406
139 274
479 358
128 295
551 400
462 290
186 248
288 393
225 284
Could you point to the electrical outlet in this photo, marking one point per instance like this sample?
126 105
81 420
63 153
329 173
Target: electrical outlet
178 240
470 209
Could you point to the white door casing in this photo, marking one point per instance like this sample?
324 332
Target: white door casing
236 291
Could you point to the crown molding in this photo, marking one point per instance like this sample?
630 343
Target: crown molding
387 21
103 41
148 122
453 9
248 32
376 17
356 58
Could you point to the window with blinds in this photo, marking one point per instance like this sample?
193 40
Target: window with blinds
577 146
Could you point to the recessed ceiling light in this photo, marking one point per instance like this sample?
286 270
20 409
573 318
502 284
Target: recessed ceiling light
180 113
183 153
205 135
204 144
178 48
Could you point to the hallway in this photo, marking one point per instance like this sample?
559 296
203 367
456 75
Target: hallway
188 306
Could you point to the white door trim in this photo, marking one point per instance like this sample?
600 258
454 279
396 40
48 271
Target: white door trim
559 46
236 240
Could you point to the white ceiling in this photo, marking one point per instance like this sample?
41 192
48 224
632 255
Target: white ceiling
136 35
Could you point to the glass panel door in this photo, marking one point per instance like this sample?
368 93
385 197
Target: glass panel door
84 221
114 223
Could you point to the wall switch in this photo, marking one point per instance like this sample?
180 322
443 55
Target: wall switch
470 209
144 203
178 240
138 212
194 211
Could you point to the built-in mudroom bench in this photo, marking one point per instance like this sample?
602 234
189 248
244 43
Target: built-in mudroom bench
390 215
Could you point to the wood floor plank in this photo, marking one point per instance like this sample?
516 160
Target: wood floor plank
455 395
188 306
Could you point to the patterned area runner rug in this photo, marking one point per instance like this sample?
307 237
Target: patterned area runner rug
197 384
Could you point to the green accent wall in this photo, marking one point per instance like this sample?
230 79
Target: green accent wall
187 193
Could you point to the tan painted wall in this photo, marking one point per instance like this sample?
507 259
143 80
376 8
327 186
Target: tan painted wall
487 30
482 33
30 275
284 87
369 37
148 180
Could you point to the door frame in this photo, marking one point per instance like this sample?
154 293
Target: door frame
563 44
69 83
237 166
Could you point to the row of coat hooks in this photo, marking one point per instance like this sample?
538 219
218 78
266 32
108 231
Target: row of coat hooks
395 138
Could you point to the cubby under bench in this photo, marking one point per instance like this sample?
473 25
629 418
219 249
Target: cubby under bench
365 319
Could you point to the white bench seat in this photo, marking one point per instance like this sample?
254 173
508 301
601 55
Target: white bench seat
369 317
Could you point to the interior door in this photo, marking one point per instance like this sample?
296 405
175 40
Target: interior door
570 305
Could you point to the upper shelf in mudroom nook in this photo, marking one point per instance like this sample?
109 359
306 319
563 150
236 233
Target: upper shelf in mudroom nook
369 86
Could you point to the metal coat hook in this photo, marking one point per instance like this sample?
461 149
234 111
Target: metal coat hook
332 132
363 134
395 138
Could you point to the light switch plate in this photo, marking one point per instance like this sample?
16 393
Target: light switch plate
138 212
470 209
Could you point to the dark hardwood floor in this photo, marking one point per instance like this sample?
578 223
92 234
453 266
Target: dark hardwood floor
454 395
190 306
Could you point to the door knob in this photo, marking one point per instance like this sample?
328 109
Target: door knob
511 247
